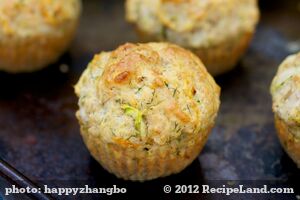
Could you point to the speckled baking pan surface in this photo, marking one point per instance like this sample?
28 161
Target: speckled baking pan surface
39 134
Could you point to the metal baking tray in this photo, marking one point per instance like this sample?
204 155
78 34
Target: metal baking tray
40 137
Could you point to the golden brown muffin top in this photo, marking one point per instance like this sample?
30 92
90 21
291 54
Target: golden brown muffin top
31 17
146 93
198 22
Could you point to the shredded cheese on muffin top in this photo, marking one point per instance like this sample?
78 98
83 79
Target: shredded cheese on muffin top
31 17
285 91
146 93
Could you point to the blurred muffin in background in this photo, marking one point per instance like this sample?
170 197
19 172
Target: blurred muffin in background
35 33
285 90
218 31
146 110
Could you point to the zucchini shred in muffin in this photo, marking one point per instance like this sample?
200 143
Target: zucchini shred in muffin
146 110
285 90
35 33
218 31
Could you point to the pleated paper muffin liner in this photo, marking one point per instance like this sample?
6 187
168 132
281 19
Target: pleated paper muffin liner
225 56
35 52
289 142
139 163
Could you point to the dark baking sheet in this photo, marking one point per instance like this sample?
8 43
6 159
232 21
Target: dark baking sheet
40 136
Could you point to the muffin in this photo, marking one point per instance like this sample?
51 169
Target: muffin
285 90
218 31
146 110
35 33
